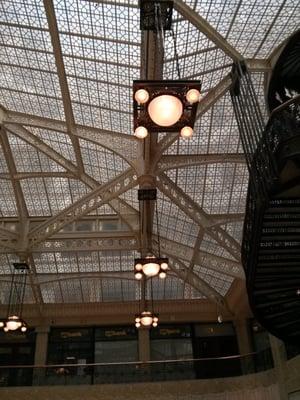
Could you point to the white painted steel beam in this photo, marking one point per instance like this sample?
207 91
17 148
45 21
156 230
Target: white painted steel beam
108 243
126 146
202 258
195 281
69 116
182 161
116 204
196 213
211 33
107 193
213 95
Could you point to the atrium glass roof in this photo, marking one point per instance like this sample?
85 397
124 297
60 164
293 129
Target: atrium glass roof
67 144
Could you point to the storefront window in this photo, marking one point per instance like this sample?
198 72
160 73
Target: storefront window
172 342
117 345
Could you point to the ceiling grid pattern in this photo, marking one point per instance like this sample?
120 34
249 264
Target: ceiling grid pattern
101 46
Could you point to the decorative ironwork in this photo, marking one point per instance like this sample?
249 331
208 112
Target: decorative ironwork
271 242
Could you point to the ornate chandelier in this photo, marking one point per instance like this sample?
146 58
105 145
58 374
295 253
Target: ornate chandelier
14 319
146 319
150 266
165 106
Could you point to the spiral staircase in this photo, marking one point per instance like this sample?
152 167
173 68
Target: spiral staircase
271 240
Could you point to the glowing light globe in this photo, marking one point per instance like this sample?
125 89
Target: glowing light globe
165 110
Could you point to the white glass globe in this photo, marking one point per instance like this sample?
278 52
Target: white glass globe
138 319
155 319
162 275
13 323
138 275
141 132
137 324
186 132
146 320
164 266
138 267
193 96
154 324
165 110
1 324
151 268
141 96
24 329
5 329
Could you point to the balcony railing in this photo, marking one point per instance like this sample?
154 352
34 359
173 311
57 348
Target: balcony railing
132 372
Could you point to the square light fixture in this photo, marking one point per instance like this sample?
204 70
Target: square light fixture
152 10
146 319
150 266
165 106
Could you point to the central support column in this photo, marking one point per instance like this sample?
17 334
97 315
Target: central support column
41 352
279 357
244 342
144 344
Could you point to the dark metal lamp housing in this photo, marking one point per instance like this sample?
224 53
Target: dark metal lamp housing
150 266
165 106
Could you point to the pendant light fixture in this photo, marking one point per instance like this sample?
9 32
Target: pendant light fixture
14 321
163 105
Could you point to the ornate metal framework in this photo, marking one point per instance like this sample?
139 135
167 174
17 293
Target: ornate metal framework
67 151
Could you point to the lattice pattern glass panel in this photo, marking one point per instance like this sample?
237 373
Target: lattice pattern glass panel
45 263
8 206
254 27
215 132
103 165
221 283
131 197
31 104
217 188
235 229
29 82
173 223
6 263
66 262
71 291
3 165
112 290
211 246
198 57
58 193
51 292
190 293
58 141
88 261
170 288
35 197
30 13
28 159
92 290
101 47
129 289
116 261
5 292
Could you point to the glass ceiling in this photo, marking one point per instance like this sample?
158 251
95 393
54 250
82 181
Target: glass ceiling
78 69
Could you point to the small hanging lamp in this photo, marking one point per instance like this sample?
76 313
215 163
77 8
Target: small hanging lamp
14 321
